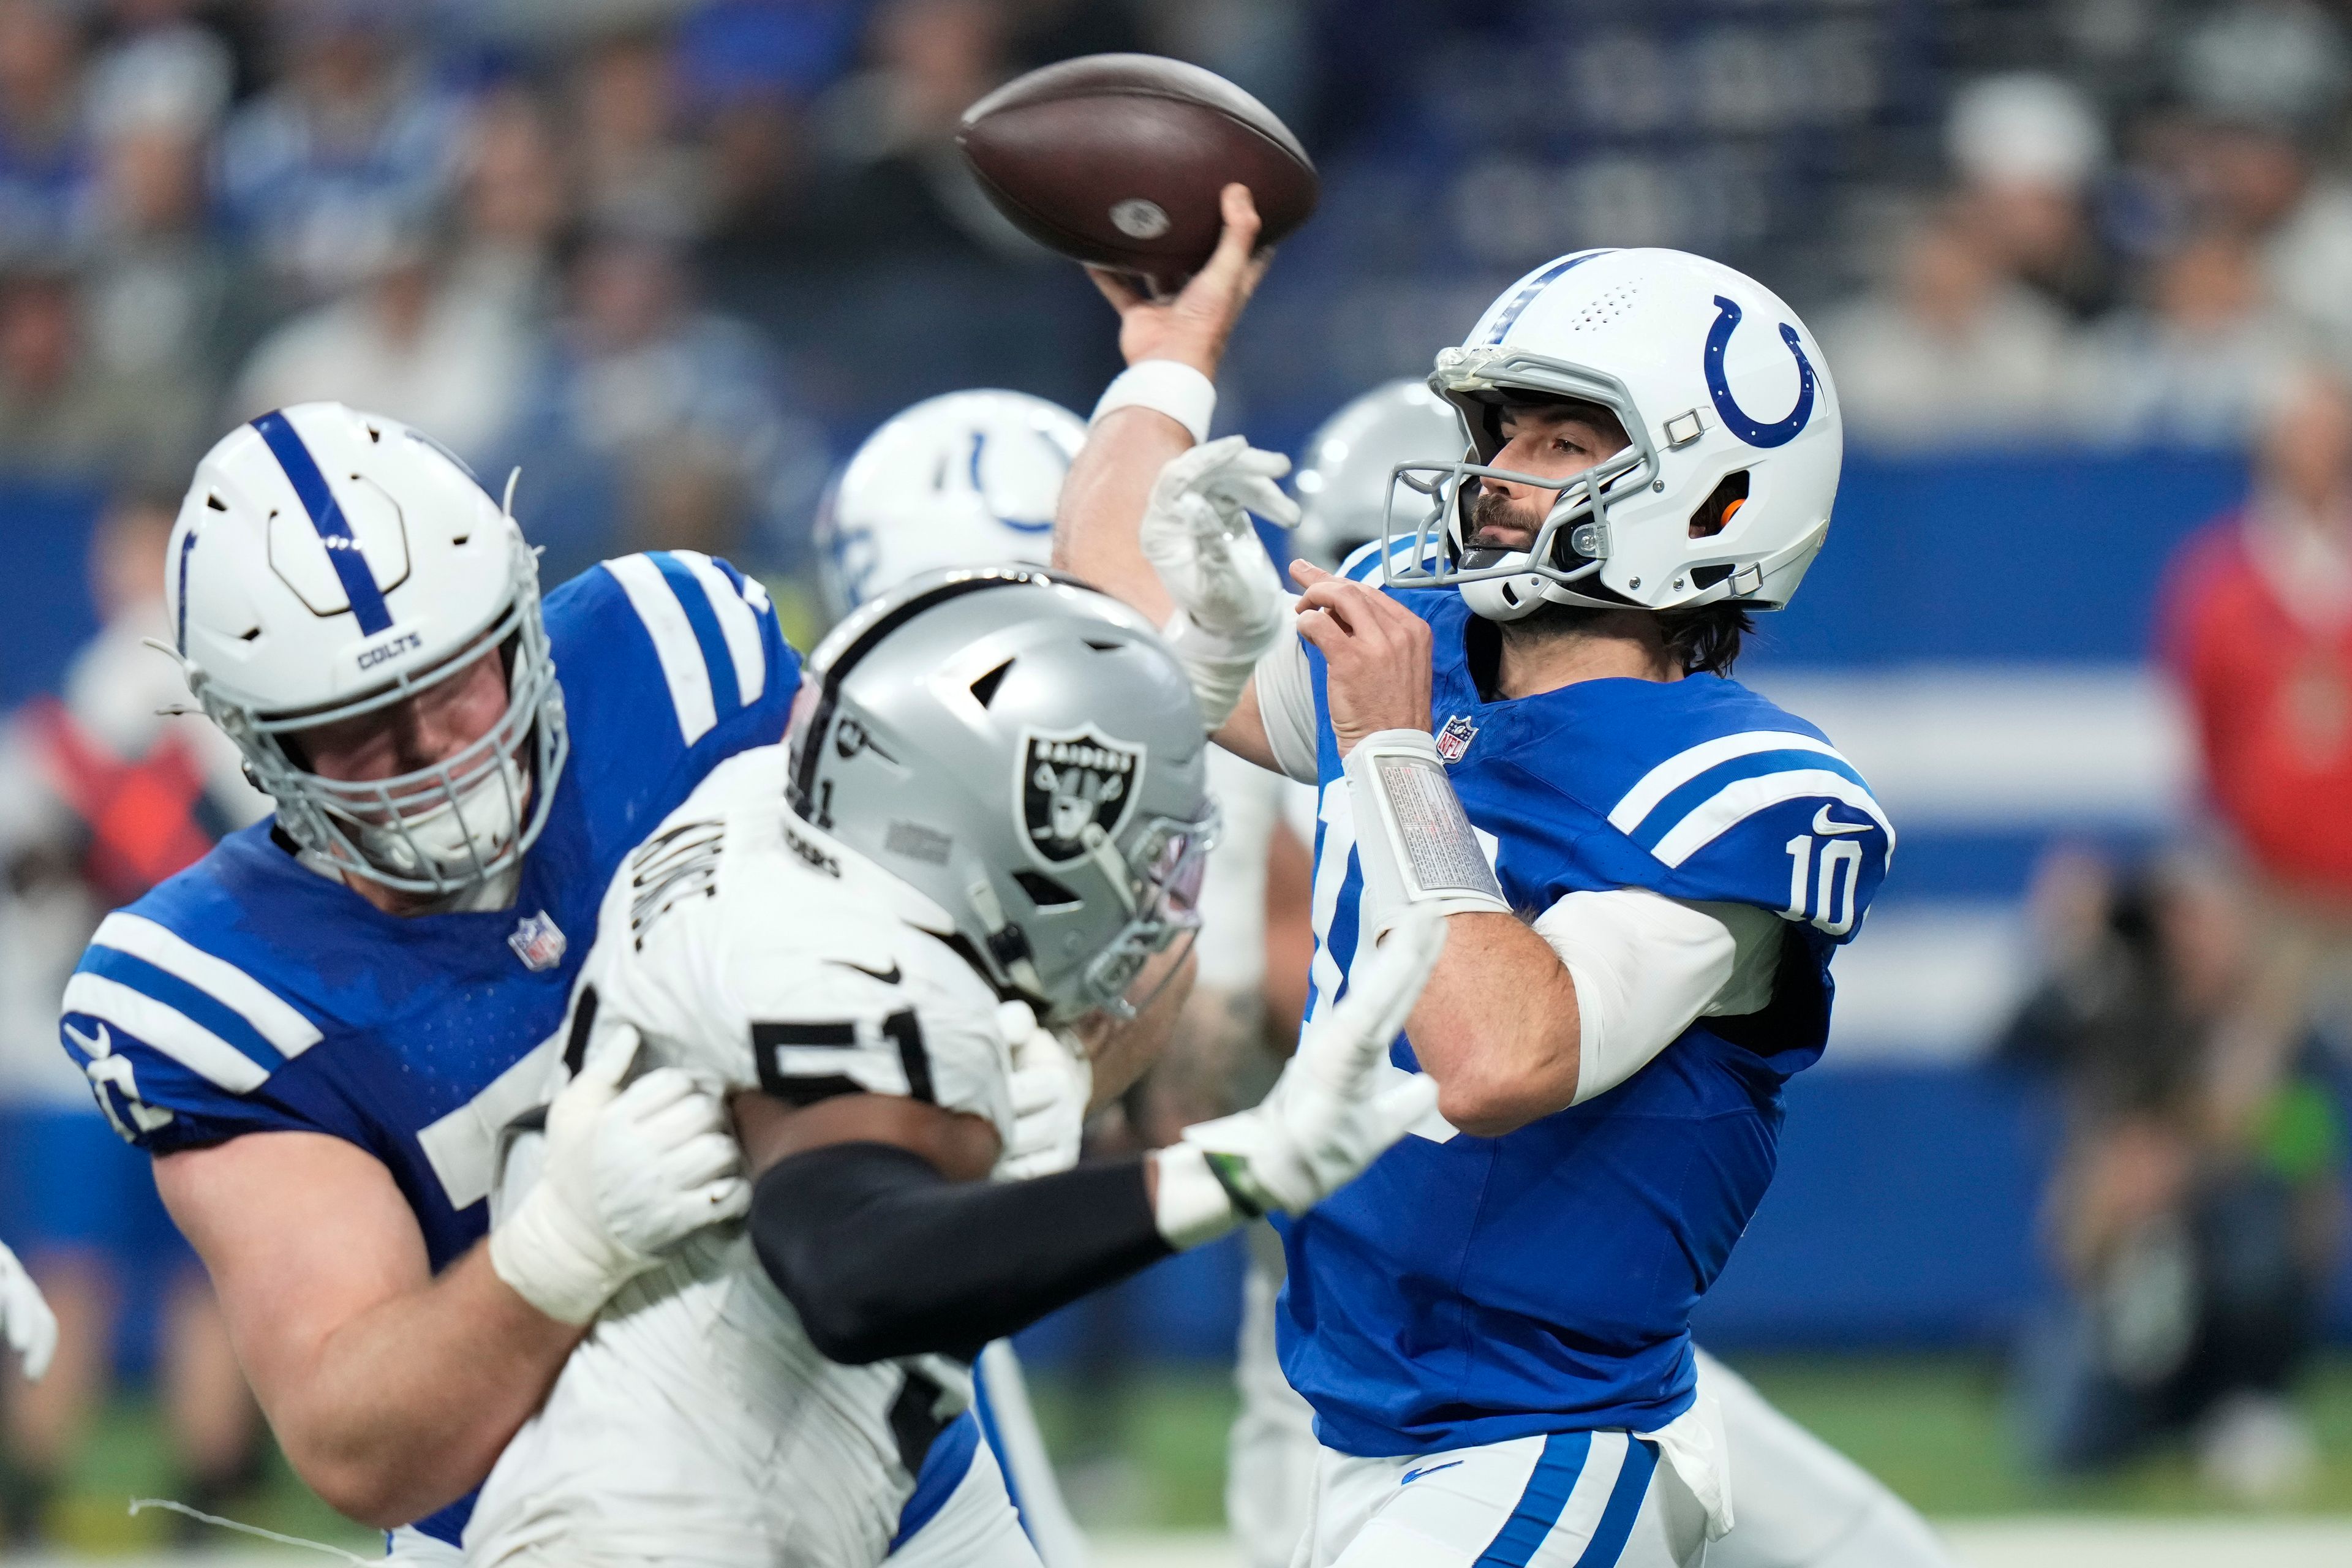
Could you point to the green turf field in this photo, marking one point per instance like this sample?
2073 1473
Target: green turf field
1933 1428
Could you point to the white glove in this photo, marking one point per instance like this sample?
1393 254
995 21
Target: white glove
1230 609
628 1174
1052 1081
1334 1111
25 1321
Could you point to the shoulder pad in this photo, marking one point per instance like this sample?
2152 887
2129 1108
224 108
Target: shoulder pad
166 1030
198 1009
1775 819
713 631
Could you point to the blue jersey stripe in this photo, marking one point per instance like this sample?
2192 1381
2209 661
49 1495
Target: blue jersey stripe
327 517
1539 1507
985 1409
1663 818
944 1469
1616 1526
199 1005
725 695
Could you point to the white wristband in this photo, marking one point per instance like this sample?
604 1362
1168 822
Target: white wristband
1412 838
554 1262
1188 1203
1164 387
1219 668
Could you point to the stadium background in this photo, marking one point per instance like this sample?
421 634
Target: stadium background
676 258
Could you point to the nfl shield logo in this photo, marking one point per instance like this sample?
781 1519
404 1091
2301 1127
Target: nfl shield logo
537 941
1454 739
1068 781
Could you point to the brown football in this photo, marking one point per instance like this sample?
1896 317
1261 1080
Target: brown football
1117 160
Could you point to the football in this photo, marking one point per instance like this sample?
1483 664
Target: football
1117 160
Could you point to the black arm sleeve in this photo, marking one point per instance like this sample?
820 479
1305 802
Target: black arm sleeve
882 1256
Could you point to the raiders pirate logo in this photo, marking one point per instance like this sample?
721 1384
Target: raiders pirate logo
1070 780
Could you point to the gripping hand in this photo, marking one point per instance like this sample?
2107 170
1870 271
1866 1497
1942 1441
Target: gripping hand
1334 1111
25 1321
1230 609
1052 1082
629 1172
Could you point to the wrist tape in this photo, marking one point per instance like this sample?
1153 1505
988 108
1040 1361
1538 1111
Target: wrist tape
1218 666
1190 1203
1414 842
1164 387
552 1259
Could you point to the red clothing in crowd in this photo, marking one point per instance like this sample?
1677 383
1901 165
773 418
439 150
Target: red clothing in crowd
2270 693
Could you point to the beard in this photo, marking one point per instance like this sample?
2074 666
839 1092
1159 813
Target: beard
1499 522
1500 525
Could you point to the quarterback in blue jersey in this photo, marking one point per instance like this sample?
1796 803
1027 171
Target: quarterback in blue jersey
320 1031
1516 709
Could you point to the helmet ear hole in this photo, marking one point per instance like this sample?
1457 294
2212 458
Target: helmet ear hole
1046 892
983 690
1715 511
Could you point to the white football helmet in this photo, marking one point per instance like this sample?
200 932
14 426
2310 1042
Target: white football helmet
966 478
327 563
1345 474
1724 397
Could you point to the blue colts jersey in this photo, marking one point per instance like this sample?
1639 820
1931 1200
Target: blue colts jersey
251 995
1469 1291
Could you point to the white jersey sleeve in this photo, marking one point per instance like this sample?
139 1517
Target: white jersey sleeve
1645 966
1286 705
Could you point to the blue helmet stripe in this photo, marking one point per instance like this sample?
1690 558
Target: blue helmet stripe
187 543
327 517
1534 286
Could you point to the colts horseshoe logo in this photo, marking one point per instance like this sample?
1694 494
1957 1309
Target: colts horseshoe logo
1734 419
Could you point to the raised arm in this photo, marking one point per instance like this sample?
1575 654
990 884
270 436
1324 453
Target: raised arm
1155 415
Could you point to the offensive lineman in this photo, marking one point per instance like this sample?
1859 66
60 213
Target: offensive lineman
320 1030
991 815
1644 872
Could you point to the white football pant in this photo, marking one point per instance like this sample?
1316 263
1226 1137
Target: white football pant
1799 1503
975 1528
1572 1499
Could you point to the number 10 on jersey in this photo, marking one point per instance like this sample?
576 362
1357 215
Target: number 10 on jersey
1827 901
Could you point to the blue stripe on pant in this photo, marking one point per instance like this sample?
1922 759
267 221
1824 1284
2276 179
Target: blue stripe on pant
1538 1506
1556 1471
1616 1526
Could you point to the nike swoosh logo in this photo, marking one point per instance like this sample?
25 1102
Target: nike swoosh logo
99 1045
1412 1476
1829 827
890 977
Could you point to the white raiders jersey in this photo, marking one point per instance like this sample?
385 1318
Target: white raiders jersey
696 1424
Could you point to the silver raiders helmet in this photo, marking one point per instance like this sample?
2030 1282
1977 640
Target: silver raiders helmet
1024 752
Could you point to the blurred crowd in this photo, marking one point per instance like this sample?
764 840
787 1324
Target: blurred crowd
673 257
2133 262
515 223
